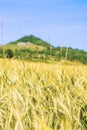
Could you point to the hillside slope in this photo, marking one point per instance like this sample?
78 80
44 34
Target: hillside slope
31 39
35 49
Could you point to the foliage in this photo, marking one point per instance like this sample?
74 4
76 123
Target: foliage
1 52
32 39
41 49
9 53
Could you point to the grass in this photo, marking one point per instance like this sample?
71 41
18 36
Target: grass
41 96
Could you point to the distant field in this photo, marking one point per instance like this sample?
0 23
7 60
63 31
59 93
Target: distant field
41 96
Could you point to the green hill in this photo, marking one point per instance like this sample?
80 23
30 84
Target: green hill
31 39
35 49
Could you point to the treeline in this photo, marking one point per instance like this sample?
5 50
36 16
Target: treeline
50 53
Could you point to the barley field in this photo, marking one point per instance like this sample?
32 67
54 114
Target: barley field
42 96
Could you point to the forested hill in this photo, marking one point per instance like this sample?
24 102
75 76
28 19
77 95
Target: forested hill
31 39
35 49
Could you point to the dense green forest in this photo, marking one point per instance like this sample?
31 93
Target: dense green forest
35 49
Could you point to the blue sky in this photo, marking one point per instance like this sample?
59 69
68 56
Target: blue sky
65 21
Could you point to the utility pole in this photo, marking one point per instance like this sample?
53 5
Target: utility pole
66 53
1 31
19 31
2 25
50 45
61 52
